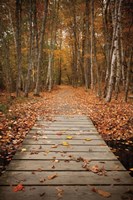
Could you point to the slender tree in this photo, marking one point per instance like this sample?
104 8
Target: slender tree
114 48
87 45
18 44
37 87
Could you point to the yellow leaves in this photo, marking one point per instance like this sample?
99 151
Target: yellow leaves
101 192
65 144
23 150
88 139
69 137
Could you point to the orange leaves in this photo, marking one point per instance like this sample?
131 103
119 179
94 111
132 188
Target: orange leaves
17 188
101 192
52 176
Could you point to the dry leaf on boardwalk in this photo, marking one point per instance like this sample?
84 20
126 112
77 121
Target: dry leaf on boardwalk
65 144
42 194
52 176
88 139
69 137
101 192
54 146
23 150
59 192
42 180
17 188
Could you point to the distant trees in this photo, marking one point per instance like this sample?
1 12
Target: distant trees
80 42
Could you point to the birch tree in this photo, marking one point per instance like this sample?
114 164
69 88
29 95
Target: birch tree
87 45
37 87
114 49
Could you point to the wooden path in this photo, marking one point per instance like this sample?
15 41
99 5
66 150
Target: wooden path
64 157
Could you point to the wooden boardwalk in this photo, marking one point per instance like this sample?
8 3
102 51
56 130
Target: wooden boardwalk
64 157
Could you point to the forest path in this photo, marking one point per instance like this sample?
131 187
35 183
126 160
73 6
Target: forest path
65 102
64 157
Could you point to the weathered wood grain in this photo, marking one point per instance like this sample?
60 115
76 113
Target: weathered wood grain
43 154
62 165
60 142
59 155
68 193
65 178
61 148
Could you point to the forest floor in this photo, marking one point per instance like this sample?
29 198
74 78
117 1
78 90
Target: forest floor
114 120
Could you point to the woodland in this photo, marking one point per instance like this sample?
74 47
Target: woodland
83 47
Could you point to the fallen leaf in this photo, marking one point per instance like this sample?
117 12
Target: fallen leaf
59 192
54 146
23 150
101 192
42 180
52 176
95 169
104 193
88 139
42 194
80 159
65 144
56 161
17 188
59 134
69 137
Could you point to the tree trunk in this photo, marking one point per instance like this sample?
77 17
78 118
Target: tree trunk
18 43
75 53
37 87
92 45
49 81
95 52
128 74
7 68
86 54
107 42
27 86
114 49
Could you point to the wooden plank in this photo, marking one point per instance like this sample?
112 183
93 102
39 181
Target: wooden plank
63 156
67 162
63 136
65 178
60 142
62 148
65 122
65 129
68 192
45 165
74 132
